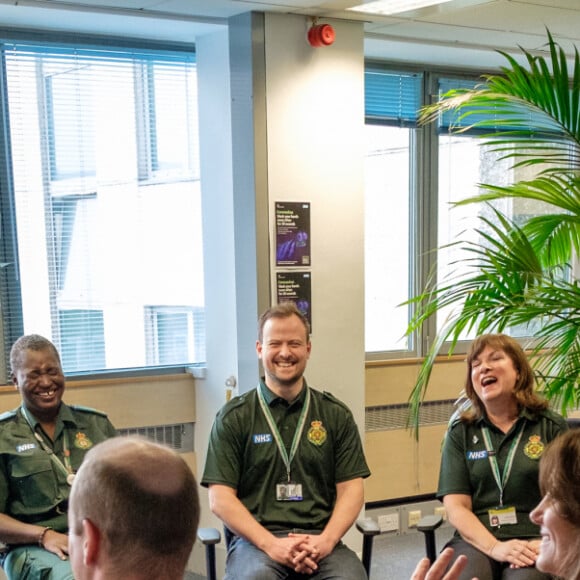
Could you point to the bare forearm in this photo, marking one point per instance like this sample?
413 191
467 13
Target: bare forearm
349 502
472 530
228 508
13 531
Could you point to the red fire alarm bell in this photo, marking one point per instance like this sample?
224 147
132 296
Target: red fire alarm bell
321 35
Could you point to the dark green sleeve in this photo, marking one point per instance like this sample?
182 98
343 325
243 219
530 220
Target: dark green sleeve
224 453
350 458
453 473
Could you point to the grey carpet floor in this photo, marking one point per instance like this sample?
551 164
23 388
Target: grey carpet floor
395 557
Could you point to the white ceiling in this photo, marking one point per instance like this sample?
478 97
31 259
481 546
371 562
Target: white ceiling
470 27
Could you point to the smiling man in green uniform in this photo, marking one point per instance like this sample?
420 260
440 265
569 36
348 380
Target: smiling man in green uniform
285 466
42 446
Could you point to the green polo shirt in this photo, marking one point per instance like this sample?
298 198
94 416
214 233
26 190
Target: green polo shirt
32 488
466 469
243 454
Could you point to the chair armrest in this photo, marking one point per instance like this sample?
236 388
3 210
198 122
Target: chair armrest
209 536
429 523
368 527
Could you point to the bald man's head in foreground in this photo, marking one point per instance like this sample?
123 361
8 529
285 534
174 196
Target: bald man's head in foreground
133 512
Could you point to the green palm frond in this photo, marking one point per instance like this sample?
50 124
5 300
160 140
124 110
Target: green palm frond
517 274
556 236
528 106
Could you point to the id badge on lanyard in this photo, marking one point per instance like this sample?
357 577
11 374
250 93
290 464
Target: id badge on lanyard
501 515
288 490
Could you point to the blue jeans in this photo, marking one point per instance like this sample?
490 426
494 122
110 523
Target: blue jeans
481 566
34 563
246 562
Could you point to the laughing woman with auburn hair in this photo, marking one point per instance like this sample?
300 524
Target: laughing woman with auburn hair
490 461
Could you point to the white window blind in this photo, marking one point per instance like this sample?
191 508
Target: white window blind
101 205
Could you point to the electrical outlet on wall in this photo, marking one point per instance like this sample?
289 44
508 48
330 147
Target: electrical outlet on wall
414 517
389 522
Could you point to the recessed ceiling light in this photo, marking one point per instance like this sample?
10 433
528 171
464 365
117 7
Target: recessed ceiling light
394 6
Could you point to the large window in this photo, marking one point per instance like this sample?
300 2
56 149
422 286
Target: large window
413 176
391 102
101 204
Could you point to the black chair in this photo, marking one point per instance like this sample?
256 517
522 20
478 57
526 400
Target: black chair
209 537
368 527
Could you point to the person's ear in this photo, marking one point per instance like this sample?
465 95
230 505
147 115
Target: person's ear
14 380
91 542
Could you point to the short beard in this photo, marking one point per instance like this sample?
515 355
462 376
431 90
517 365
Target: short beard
284 382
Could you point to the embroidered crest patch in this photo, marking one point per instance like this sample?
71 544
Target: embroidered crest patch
534 447
82 441
316 433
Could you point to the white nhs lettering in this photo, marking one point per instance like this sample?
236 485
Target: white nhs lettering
262 438
476 454
25 447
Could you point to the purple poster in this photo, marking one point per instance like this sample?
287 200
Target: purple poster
292 233
296 287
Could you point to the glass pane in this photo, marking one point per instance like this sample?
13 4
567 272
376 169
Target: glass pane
82 343
174 102
464 162
70 120
387 235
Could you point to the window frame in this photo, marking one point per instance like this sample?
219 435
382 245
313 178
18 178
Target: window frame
424 198
11 316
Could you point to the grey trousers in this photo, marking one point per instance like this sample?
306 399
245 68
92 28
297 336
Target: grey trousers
246 562
35 563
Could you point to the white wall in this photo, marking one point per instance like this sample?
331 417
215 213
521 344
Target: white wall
315 123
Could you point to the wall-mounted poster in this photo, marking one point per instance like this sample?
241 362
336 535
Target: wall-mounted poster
292 233
296 287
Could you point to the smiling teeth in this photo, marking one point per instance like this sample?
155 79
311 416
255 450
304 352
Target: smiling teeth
47 394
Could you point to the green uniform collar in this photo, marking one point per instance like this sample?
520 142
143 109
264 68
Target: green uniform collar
525 413
65 415
270 397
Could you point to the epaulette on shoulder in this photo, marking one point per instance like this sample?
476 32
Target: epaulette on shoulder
332 398
454 421
84 409
234 403
8 415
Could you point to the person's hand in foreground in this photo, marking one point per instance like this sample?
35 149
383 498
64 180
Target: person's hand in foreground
437 570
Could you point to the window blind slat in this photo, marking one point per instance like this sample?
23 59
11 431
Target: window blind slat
393 97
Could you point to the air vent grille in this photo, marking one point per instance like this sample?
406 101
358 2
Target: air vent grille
178 436
390 417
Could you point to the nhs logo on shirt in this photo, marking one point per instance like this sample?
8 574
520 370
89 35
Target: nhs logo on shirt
262 438
25 447
471 455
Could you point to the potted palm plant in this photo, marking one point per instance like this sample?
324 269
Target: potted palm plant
519 273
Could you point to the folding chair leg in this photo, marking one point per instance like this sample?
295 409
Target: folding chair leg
369 529
209 537
428 525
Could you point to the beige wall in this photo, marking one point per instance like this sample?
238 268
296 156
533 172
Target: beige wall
401 465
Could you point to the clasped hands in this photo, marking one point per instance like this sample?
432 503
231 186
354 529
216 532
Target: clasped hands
301 552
